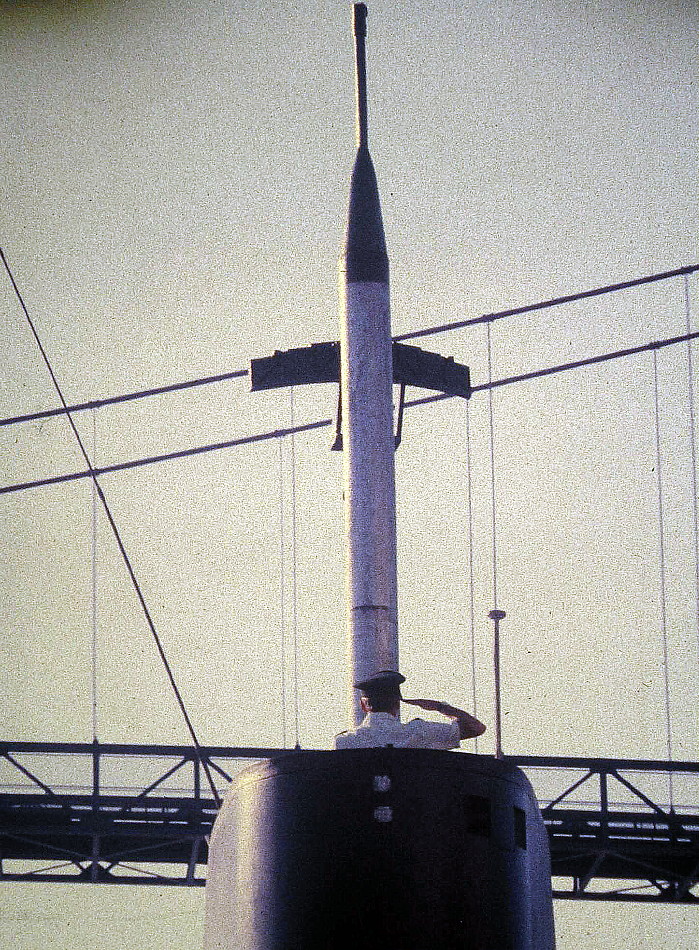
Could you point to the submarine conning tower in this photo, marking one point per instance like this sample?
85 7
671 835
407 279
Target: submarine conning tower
399 848
403 849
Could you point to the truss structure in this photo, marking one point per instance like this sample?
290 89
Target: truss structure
610 837
619 829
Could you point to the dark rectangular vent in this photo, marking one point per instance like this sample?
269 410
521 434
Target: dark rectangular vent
520 828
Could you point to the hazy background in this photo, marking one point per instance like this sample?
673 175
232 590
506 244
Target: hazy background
175 178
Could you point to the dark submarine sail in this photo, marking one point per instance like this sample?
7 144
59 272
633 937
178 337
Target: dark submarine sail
405 849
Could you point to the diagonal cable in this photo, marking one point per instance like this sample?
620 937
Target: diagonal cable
125 397
115 531
547 304
166 457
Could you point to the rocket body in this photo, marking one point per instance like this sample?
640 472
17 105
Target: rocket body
366 380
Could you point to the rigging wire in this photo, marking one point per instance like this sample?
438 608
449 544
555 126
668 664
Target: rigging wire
693 448
323 423
294 577
95 501
115 531
282 588
661 555
471 578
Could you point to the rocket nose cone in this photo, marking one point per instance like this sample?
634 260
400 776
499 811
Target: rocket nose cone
365 257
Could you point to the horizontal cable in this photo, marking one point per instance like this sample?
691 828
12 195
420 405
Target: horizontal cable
554 302
127 397
323 423
414 334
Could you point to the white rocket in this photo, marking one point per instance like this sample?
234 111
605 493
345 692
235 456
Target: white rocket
366 380
367 364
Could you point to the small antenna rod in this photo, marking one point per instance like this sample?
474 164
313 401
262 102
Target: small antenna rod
360 13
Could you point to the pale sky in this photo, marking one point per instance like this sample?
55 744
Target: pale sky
175 184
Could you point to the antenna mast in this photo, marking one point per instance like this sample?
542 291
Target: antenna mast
359 21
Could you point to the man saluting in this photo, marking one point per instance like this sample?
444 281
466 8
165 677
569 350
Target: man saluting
380 700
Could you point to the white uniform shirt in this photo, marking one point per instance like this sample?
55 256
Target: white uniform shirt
383 729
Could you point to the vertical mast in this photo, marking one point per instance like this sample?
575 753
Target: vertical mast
367 400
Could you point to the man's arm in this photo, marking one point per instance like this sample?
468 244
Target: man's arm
469 726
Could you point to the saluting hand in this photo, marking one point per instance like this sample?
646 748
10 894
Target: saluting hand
431 705
469 726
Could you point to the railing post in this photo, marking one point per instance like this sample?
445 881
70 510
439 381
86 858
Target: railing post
604 803
197 785
95 775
